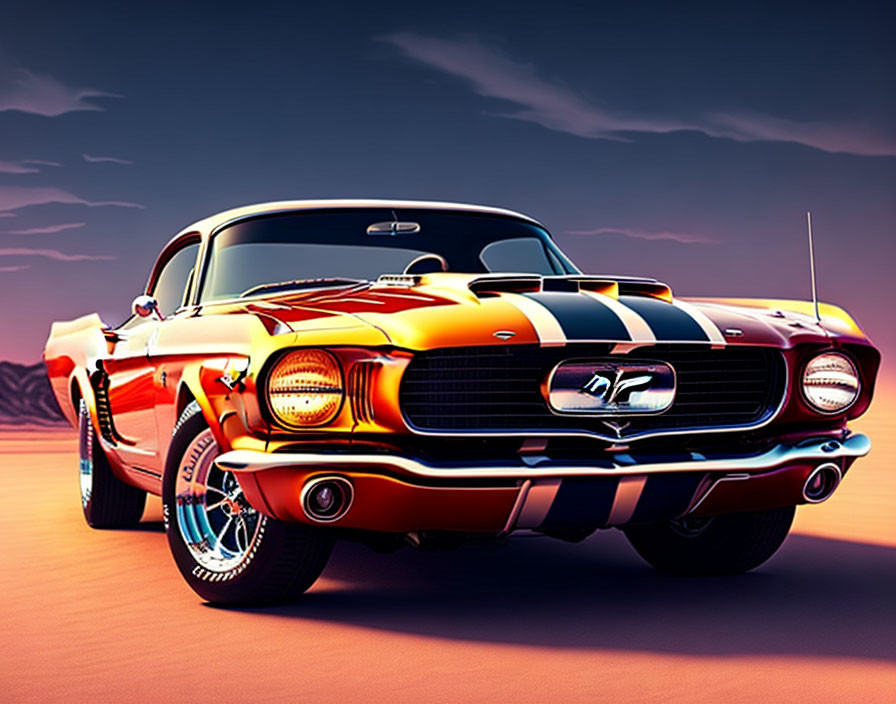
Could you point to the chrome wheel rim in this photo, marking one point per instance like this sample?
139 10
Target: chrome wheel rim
218 525
85 441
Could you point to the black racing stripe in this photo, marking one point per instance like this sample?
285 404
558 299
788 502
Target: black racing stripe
582 503
581 317
666 321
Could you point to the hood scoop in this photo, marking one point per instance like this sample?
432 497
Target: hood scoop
397 281
614 286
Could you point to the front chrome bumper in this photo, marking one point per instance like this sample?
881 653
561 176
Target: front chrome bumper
810 451
400 494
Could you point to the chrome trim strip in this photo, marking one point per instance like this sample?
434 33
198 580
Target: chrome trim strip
147 472
547 327
822 449
637 328
710 328
121 447
628 493
539 500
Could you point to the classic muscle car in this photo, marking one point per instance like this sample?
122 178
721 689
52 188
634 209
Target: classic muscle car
412 372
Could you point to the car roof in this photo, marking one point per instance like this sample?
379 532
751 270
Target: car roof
209 224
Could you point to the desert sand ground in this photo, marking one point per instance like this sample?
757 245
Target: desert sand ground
93 616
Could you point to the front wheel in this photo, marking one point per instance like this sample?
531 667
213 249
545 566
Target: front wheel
727 544
228 552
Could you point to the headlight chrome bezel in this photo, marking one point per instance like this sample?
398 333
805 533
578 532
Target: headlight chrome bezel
806 372
282 359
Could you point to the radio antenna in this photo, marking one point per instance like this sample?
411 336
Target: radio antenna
812 268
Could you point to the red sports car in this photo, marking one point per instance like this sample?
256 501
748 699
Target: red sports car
418 373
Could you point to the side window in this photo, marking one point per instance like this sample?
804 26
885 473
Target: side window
171 286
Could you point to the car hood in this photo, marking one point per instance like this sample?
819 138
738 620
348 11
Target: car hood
448 310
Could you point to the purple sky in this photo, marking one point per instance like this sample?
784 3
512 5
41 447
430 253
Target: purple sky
684 144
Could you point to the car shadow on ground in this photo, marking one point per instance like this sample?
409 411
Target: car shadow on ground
815 597
145 527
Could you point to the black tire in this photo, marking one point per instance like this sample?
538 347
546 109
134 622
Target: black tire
107 501
274 562
727 544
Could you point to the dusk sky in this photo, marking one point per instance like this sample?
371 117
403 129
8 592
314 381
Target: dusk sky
685 144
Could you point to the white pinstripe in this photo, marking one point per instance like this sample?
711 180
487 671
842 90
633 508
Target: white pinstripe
628 493
712 331
547 327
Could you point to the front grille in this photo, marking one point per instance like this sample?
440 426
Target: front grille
494 389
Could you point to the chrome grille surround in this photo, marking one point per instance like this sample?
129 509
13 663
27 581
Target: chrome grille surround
496 390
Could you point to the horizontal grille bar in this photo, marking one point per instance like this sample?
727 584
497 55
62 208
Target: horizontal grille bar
499 388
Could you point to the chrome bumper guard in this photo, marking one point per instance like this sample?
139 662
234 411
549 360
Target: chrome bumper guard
240 461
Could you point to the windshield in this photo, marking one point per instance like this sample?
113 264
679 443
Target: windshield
334 247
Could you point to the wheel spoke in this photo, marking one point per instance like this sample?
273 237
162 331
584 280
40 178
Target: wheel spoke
241 528
219 537
211 507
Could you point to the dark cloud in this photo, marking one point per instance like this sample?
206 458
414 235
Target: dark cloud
16 197
29 92
681 237
493 74
105 159
52 254
48 229
25 166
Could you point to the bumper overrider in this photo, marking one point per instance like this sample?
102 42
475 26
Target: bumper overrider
401 494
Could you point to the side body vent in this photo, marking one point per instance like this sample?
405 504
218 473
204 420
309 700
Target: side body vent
360 390
100 383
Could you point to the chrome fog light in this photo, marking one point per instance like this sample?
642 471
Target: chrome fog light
822 482
327 499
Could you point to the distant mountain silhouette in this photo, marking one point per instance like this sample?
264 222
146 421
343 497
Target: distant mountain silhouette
26 397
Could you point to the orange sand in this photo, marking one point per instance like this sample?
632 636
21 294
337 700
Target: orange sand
104 615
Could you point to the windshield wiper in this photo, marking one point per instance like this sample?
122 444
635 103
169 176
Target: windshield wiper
301 284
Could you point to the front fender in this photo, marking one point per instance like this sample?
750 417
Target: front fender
224 389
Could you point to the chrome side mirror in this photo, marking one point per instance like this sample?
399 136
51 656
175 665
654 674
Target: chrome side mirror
145 306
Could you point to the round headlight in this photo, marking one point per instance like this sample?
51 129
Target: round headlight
305 388
831 382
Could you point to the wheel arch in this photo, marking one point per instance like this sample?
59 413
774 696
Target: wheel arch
190 389
80 389
185 396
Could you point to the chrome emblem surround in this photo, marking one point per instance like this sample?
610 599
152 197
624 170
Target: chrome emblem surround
610 388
